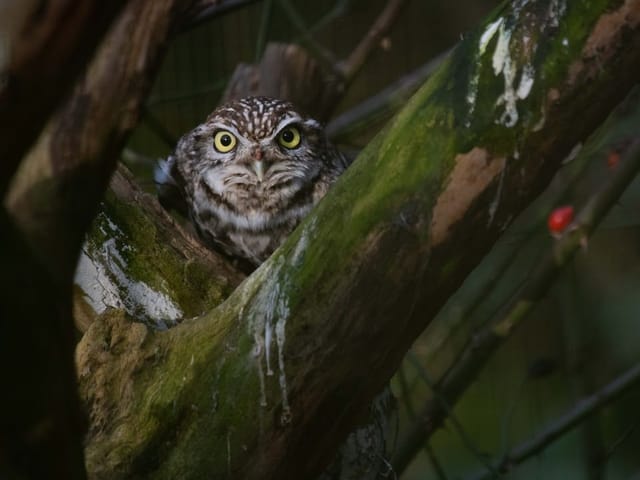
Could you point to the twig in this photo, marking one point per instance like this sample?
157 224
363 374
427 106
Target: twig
411 413
265 19
320 52
620 440
338 10
435 463
406 393
575 318
205 10
370 42
157 127
384 102
480 348
578 413
457 426
509 414
214 87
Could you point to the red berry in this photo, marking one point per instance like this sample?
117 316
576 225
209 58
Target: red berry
613 159
560 219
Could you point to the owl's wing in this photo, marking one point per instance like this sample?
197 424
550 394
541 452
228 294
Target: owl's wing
170 191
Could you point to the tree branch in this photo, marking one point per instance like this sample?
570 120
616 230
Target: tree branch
205 10
57 190
384 103
581 411
46 53
139 259
350 67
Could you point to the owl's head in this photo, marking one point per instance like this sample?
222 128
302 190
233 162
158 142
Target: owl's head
251 149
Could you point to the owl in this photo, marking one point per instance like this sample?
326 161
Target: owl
250 173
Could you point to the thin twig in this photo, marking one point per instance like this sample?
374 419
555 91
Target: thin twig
411 413
509 414
212 88
620 440
457 426
575 313
320 52
435 463
371 41
205 10
578 413
406 393
265 20
338 10
479 349
157 127
383 103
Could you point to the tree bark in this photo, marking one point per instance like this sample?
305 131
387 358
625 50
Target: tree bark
52 199
268 384
46 52
55 194
139 259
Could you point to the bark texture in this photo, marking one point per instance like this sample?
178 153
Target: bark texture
57 190
52 199
137 258
268 384
46 51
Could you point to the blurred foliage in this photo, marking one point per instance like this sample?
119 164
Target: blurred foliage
583 333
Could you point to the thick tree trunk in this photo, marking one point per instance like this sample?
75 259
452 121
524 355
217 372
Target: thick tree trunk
47 44
43 46
268 384
51 201
55 193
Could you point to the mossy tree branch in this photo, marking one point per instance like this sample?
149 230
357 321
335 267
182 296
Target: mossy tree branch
269 383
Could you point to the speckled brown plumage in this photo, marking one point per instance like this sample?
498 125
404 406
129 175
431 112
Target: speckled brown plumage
246 200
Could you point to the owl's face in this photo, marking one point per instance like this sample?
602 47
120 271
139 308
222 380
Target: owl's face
252 171
255 153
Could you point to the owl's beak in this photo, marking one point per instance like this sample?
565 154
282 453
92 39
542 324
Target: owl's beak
258 168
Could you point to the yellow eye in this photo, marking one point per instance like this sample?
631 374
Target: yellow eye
224 141
289 137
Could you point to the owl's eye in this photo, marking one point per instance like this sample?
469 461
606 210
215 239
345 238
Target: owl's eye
289 137
224 141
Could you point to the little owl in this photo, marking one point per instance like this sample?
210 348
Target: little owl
250 173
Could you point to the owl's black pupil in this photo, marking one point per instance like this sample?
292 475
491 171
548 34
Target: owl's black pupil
225 140
287 136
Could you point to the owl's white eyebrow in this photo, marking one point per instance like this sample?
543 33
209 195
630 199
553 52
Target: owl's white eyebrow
287 121
225 126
